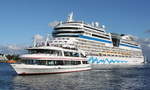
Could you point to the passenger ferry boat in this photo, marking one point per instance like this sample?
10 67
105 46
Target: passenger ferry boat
49 59
100 47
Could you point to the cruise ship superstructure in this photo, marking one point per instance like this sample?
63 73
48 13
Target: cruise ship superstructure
99 46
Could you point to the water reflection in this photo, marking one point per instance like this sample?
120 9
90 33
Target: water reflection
130 78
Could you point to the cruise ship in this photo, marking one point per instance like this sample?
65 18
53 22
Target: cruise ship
100 47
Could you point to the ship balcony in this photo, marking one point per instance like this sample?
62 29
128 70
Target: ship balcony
67 34
68 26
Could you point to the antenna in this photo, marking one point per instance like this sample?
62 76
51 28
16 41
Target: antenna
92 23
96 24
70 17
34 42
103 26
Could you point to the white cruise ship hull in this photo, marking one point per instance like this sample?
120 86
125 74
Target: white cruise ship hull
114 66
24 69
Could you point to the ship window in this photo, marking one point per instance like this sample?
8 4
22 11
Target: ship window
76 62
68 32
50 62
104 54
94 29
71 54
129 43
43 51
26 61
82 55
67 62
59 63
66 28
72 62
41 62
75 54
100 36
65 35
67 53
84 62
116 42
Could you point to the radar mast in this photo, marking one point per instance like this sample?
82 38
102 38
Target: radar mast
70 17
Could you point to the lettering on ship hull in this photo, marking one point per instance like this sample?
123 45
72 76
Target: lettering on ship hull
96 60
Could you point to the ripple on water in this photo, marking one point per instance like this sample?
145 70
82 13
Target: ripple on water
131 78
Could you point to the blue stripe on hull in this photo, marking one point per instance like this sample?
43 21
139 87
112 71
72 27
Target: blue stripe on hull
106 41
130 46
96 39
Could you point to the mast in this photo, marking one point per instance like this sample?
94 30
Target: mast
47 39
70 17
34 42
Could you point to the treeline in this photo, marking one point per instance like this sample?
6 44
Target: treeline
13 57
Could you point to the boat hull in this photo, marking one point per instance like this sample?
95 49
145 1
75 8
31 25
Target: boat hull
23 69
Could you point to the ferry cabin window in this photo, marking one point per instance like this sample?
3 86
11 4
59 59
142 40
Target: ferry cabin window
72 62
71 54
82 55
84 62
41 62
59 63
43 51
29 61
51 62
67 62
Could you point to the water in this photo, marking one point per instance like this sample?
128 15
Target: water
131 78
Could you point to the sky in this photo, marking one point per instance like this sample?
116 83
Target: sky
20 20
